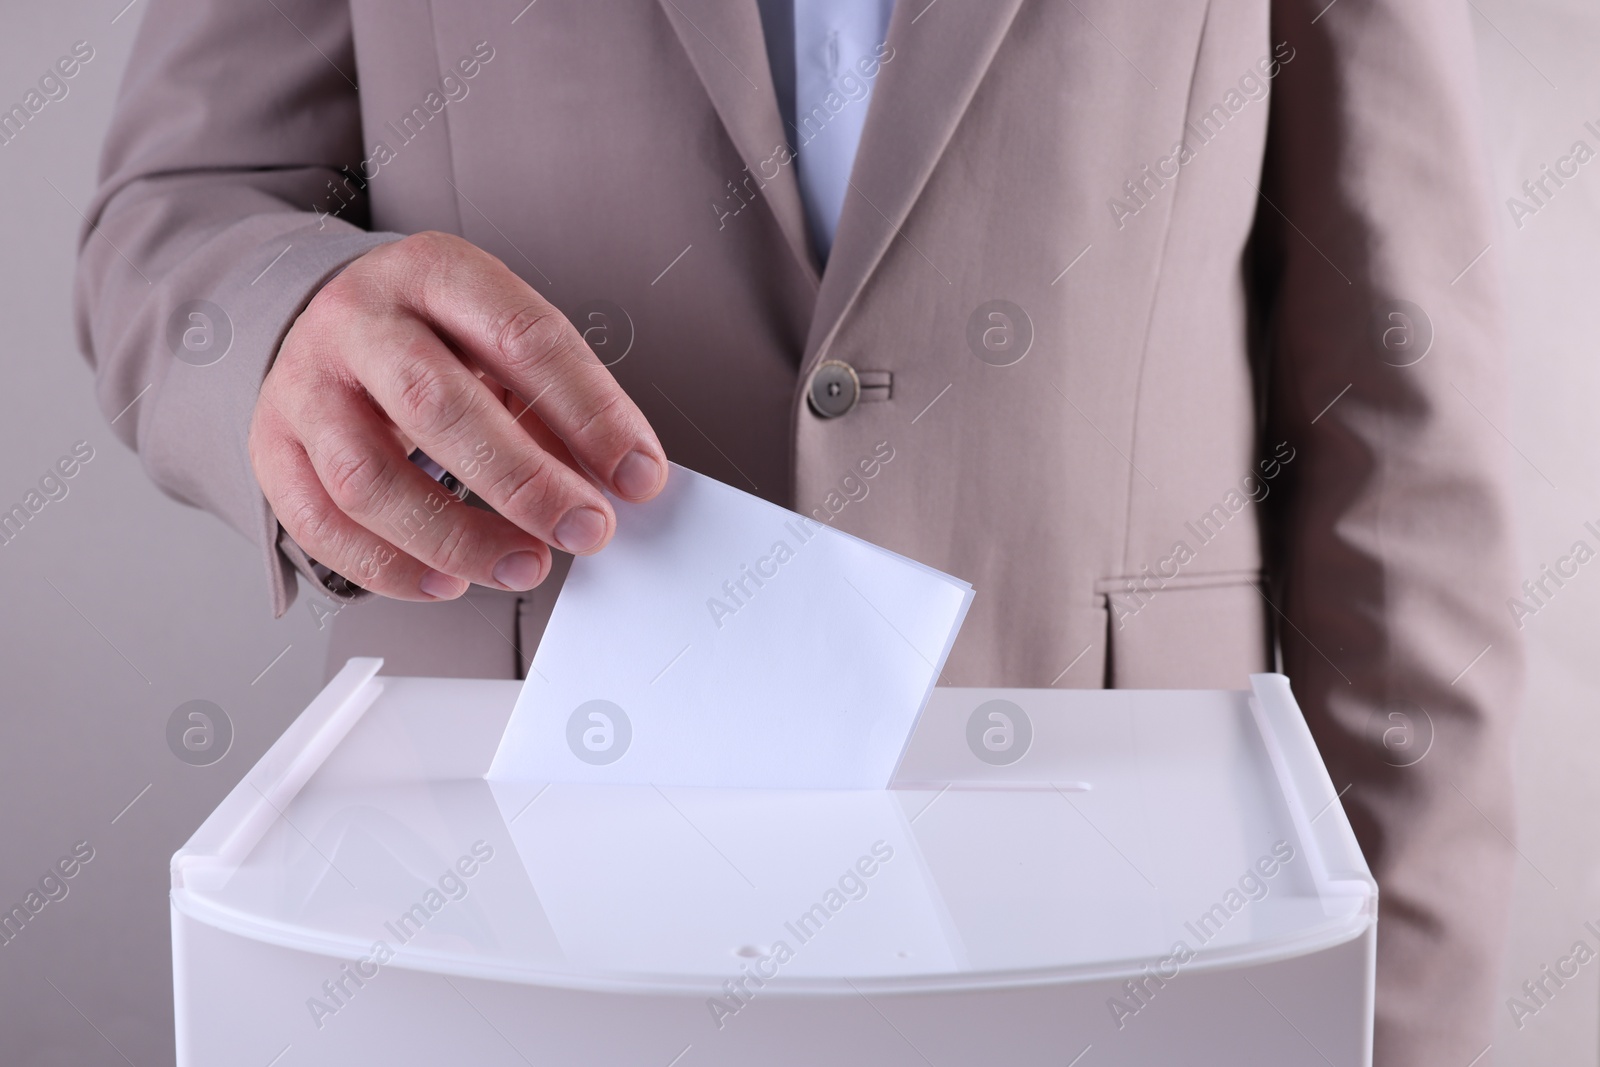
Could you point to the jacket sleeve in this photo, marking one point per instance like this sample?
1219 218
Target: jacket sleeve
220 209
1387 369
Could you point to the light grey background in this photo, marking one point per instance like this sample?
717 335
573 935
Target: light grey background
117 604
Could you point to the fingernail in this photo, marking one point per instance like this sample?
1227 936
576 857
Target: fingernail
637 475
519 570
580 530
441 586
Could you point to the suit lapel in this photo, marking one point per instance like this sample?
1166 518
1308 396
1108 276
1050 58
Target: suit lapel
725 45
940 54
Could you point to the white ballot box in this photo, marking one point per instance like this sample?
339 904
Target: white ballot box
1057 877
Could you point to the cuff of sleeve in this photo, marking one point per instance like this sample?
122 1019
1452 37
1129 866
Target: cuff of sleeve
293 556
197 430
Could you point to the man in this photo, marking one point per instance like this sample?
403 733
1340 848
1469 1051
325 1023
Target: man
1166 327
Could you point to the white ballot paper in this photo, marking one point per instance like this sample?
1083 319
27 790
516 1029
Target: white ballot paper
720 640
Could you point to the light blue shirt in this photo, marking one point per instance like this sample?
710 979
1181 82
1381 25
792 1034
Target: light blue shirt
837 52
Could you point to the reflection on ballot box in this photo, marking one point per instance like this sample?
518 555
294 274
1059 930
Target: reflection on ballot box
1130 877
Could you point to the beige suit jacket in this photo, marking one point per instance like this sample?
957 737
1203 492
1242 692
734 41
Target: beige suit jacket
1172 318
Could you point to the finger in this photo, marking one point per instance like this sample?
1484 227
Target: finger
508 329
364 468
455 418
338 542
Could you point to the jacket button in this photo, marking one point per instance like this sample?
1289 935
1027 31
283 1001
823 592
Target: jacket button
834 389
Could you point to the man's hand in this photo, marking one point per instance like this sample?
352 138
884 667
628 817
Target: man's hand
431 342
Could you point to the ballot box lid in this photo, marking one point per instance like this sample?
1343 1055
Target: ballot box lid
1031 836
